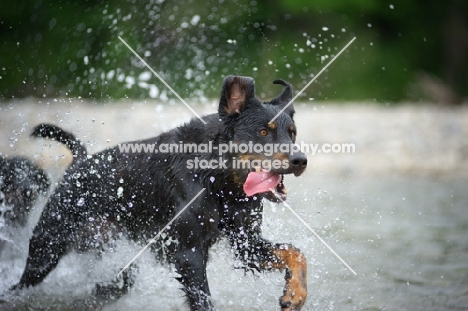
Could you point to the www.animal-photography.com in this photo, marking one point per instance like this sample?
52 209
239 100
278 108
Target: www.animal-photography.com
233 155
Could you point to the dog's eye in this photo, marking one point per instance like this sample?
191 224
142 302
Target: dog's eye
263 132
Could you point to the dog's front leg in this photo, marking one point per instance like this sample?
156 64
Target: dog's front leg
191 265
287 257
260 254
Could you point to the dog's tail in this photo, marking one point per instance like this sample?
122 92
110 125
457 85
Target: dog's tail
53 132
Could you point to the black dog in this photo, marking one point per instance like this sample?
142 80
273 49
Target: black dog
138 193
21 183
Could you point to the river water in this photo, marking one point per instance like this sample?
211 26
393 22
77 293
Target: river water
396 214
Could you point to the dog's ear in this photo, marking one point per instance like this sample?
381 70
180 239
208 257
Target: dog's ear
286 95
284 98
235 93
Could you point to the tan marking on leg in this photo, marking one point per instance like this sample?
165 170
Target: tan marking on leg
295 290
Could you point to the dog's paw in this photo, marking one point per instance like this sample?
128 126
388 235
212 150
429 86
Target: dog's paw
294 293
109 291
118 287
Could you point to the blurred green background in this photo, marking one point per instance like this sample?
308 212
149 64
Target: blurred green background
405 49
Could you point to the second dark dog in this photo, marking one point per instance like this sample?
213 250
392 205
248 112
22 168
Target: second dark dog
21 184
139 193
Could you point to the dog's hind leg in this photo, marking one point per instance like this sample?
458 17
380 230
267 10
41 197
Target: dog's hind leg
52 238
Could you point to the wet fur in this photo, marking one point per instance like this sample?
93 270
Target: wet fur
141 192
21 183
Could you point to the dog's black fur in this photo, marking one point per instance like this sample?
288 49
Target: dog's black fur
139 193
53 132
21 183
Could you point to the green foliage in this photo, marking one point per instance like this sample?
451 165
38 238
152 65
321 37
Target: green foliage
71 48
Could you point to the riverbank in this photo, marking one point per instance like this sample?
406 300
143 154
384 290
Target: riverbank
414 139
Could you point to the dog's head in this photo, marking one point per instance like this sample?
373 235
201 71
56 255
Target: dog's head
266 149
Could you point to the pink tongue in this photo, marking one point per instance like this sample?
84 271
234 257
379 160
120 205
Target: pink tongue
260 182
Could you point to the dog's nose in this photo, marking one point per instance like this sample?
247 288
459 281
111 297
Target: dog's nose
298 161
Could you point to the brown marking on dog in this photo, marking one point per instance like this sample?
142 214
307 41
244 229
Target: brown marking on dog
295 290
251 157
247 157
247 165
272 126
280 156
237 179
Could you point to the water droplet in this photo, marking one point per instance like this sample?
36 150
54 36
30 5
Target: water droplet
154 91
195 20
144 76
